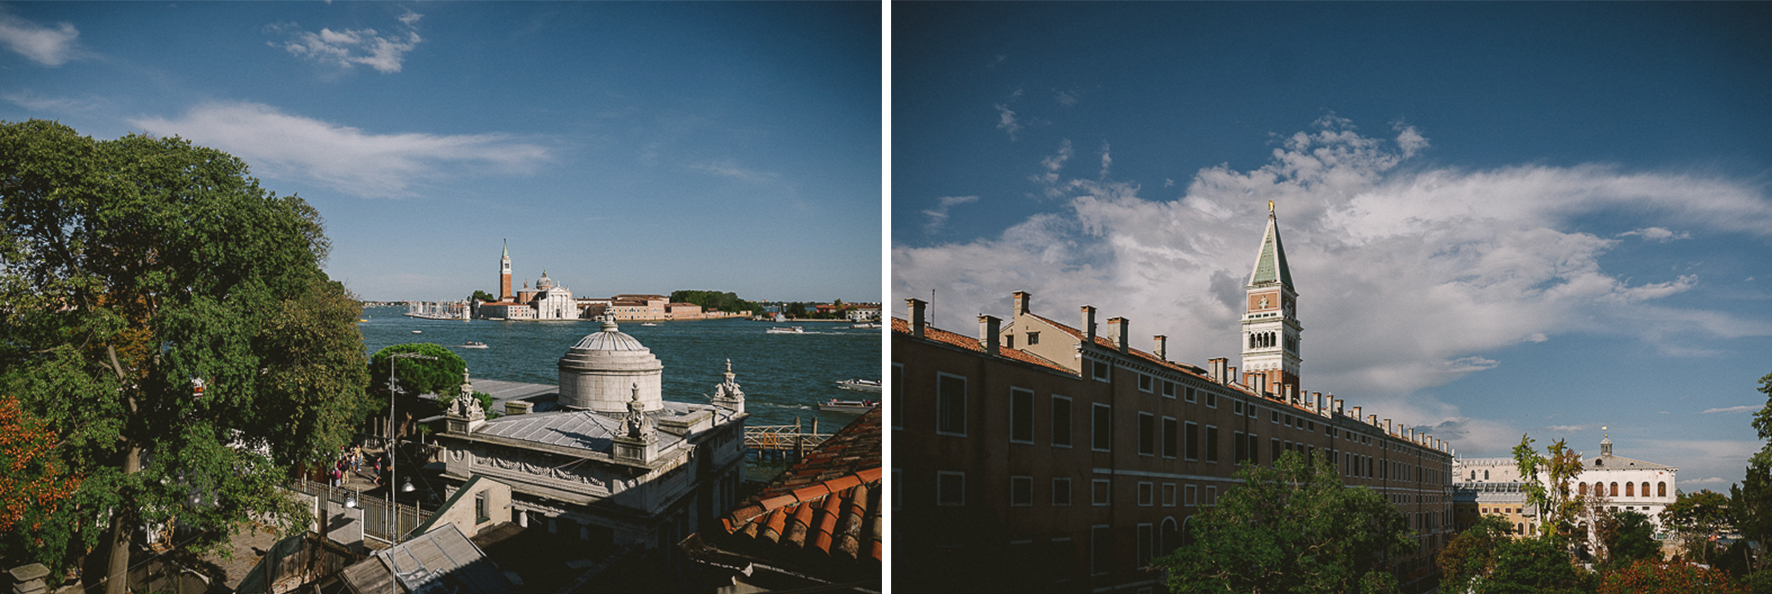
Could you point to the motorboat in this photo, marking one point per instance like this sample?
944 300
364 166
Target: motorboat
867 326
473 344
860 385
779 330
648 324
418 332
854 407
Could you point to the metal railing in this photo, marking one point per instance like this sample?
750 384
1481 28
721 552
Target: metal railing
380 519
783 438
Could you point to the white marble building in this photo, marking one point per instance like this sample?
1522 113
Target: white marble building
1626 484
616 463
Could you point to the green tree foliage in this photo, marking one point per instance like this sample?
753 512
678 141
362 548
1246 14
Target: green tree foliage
1694 518
715 300
415 377
1291 528
1559 507
1627 537
1658 577
1750 502
484 296
1535 565
1470 556
130 269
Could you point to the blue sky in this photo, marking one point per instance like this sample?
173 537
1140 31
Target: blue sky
622 148
1502 218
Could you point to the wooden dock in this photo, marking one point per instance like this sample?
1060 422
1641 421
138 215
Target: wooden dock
783 440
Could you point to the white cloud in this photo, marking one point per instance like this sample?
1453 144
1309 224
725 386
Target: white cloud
348 159
49 46
386 53
732 170
1485 259
1006 120
1107 159
1734 409
1065 98
1564 428
35 102
938 216
1657 234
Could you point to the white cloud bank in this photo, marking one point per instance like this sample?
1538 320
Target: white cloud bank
386 53
49 46
938 216
285 146
1406 275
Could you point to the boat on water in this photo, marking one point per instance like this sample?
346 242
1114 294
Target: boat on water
648 324
780 318
854 407
867 326
860 385
793 330
473 344
418 332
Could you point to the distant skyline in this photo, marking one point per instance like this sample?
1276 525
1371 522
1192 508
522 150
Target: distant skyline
1502 218
623 148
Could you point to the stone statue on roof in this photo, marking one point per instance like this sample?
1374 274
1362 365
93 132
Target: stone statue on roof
637 425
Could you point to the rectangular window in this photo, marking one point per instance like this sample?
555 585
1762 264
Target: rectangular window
1240 451
1190 394
1021 415
1147 493
480 513
1061 421
1145 536
1191 492
1212 400
1191 437
1021 491
1033 338
950 488
1168 389
1147 434
1008 341
1100 492
897 395
1276 416
950 404
1102 436
1211 496
1254 449
1168 494
1061 492
1146 383
1171 441
1101 549
1238 407
1099 369
1211 443
1273 453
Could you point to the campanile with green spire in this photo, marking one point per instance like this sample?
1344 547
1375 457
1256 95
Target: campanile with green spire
1270 319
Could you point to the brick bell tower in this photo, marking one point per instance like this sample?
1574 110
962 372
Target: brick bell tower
504 275
1270 319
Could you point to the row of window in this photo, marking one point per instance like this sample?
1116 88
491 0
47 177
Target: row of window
1629 489
951 420
950 491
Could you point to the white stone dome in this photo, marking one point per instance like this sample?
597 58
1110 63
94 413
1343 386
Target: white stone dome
600 371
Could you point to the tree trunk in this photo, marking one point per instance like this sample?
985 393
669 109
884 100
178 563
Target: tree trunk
122 530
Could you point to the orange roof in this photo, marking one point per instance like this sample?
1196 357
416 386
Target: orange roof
970 343
827 503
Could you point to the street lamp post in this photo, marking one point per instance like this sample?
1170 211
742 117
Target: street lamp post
393 453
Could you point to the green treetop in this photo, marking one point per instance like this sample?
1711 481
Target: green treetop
1291 528
167 318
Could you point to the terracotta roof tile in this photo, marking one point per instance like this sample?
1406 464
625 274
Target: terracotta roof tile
970 343
825 505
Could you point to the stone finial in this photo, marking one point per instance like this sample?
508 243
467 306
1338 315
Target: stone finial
637 426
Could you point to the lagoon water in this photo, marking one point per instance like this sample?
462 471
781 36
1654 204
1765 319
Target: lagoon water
783 375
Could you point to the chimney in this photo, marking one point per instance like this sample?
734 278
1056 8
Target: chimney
1412 436
1371 420
1318 403
1230 376
518 407
1021 302
1117 333
1162 347
1356 413
1257 383
1088 324
1387 426
1291 393
1337 402
917 322
1215 369
987 333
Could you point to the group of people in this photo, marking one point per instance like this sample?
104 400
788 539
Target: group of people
352 459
